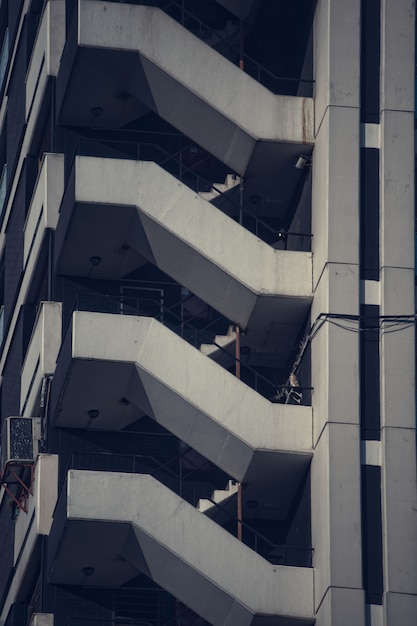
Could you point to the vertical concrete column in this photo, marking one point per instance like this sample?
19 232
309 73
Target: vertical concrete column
398 416
336 490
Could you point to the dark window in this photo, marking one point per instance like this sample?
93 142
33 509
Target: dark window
370 372
370 60
372 534
369 214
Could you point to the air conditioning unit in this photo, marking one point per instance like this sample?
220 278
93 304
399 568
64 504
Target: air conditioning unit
20 438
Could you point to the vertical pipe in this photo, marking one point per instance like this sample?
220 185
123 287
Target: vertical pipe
239 486
237 366
241 61
50 265
239 511
241 199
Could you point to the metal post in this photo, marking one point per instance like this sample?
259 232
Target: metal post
237 366
239 511
239 486
241 61
241 199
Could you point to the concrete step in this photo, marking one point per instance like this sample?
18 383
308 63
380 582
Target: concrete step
221 354
219 496
231 182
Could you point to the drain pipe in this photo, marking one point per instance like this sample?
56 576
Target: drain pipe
241 61
241 199
239 485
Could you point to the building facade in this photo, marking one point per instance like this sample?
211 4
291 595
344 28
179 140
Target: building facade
207 313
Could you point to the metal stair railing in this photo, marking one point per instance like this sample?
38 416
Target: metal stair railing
178 322
277 84
125 621
148 307
95 621
276 553
285 85
180 480
174 165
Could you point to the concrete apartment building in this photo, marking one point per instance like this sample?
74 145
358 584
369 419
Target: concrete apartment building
207 313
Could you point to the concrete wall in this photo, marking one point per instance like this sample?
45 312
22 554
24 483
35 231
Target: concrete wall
338 289
398 416
41 356
335 472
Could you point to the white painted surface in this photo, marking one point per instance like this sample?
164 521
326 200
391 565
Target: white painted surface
41 355
47 51
397 189
44 207
335 476
371 453
370 135
335 490
42 619
370 292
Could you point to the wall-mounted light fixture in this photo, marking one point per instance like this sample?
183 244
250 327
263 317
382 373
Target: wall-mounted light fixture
96 111
88 571
302 162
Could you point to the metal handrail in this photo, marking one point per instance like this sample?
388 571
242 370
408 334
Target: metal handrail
126 621
122 621
136 461
161 466
258 535
273 237
203 27
136 309
281 393
259 70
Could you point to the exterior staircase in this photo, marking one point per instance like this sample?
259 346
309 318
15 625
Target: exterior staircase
220 496
221 350
110 372
147 69
231 182
108 226
141 529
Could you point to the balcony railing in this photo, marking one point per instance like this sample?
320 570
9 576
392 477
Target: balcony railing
3 189
179 479
196 331
176 164
182 474
1 323
4 58
181 618
81 621
284 85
